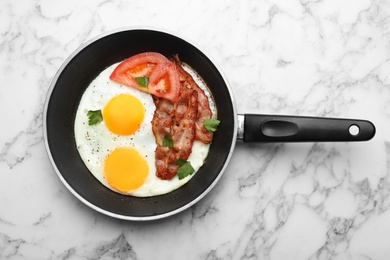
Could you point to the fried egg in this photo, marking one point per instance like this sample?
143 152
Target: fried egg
120 151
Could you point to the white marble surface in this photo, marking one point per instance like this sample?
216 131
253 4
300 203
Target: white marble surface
275 201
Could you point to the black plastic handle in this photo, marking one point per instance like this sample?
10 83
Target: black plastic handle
271 128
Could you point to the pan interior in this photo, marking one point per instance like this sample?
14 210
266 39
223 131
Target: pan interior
66 91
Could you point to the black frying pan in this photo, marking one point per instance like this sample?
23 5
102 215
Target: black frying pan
90 59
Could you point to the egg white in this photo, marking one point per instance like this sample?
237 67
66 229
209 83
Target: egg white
95 142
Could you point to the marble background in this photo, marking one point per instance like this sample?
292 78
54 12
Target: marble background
275 201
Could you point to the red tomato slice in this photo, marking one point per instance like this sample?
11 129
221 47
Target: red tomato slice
163 76
164 82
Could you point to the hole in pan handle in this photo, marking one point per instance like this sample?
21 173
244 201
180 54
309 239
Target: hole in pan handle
273 128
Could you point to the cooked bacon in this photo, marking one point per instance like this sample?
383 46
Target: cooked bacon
162 119
162 156
204 110
178 120
186 110
182 120
162 125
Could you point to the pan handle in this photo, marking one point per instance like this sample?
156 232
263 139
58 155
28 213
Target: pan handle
271 128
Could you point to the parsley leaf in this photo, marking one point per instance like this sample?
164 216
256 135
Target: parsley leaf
211 124
185 168
167 142
142 81
94 117
181 162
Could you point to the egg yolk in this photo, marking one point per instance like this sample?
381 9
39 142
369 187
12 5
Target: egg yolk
125 169
123 114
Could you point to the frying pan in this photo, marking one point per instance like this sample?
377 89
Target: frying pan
89 60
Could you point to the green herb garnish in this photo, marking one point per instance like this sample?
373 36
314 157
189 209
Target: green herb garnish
142 81
167 142
185 168
94 117
211 124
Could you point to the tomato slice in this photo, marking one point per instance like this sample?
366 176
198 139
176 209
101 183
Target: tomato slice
164 81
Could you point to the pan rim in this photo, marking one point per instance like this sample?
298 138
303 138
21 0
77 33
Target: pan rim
71 189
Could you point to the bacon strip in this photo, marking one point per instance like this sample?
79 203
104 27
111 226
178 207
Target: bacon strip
162 125
178 120
204 110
